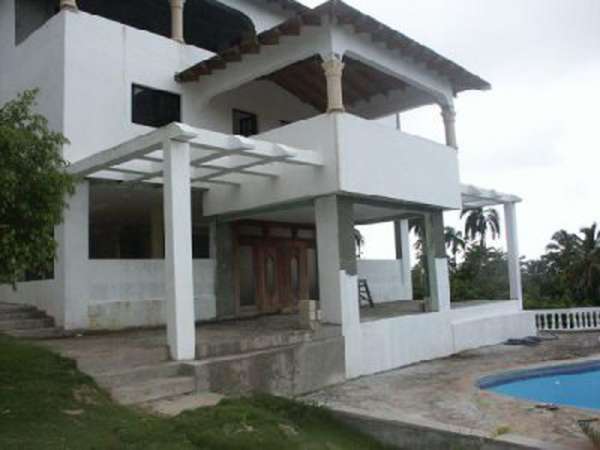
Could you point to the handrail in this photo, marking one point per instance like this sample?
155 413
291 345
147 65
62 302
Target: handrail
572 319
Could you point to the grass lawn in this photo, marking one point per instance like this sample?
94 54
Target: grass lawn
47 404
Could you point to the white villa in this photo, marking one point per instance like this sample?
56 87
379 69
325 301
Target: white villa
226 150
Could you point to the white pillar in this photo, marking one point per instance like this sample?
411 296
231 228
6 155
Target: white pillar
179 281
68 4
437 262
334 69
402 235
177 20
72 262
449 116
338 281
512 246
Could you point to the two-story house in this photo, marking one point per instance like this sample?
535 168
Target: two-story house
227 149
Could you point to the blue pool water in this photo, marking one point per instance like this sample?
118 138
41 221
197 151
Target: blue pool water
575 385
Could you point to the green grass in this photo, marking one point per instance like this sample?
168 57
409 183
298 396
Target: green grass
47 404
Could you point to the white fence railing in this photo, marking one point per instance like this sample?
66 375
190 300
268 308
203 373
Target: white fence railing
577 319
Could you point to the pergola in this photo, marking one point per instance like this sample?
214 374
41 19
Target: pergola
181 157
475 197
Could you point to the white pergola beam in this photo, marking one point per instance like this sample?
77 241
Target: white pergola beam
475 197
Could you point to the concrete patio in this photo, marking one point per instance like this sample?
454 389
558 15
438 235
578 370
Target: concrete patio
443 393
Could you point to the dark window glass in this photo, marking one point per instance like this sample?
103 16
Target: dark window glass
154 108
244 123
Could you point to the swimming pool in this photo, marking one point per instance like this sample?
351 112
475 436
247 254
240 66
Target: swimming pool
575 385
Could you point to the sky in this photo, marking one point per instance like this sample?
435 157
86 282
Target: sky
537 132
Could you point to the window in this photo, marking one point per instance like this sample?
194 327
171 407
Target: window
154 108
244 123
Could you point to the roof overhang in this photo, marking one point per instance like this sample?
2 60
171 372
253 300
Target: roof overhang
343 15
475 197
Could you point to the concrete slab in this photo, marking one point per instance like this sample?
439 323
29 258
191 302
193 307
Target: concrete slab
444 391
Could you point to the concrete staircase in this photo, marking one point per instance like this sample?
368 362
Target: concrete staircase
27 322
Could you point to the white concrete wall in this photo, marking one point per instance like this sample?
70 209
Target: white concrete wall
385 279
387 344
38 62
263 15
378 161
295 182
130 293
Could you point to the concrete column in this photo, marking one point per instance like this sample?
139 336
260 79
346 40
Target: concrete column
223 246
157 233
512 246
179 278
334 69
437 263
72 263
177 20
69 4
338 280
449 116
402 234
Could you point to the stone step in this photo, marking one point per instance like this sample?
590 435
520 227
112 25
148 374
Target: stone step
173 406
26 324
121 377
37 333
14 307
154 390
16 315
96 365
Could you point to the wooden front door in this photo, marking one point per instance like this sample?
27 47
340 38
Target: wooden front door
273 273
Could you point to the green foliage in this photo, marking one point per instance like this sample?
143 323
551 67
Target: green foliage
568 274
479 222
46 403
34 185
482 275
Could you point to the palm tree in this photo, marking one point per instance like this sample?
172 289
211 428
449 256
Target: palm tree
479 222
359 241
454 240
590 260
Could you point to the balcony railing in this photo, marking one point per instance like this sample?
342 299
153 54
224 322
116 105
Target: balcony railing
579 319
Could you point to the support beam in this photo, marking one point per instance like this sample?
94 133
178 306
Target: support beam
338 280
437 263
401 233
512 246
69 4
449 116
177 33
179 278
334 69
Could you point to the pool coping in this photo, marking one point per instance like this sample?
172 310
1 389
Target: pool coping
538 371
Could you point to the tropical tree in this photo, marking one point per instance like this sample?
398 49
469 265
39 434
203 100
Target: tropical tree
34 185
479 222
454 241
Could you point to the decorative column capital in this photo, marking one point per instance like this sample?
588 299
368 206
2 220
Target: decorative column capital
334 69
448 113
69 4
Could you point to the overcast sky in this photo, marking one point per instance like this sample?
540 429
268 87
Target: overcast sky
537 132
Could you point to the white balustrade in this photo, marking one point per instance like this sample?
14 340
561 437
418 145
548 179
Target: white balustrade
576 319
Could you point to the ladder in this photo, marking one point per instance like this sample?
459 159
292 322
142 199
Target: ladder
364 294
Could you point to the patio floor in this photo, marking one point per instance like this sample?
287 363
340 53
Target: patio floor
444 391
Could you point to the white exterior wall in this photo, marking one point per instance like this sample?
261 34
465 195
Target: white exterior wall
379 161
38 62
130 293
391 343
386 279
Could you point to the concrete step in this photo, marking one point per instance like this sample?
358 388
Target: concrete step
121 377
154 390
173 406
37 333
26 324
16 315
97 365
14 307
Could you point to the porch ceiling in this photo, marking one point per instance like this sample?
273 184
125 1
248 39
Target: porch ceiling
216 158
476 197
306 81
344 15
